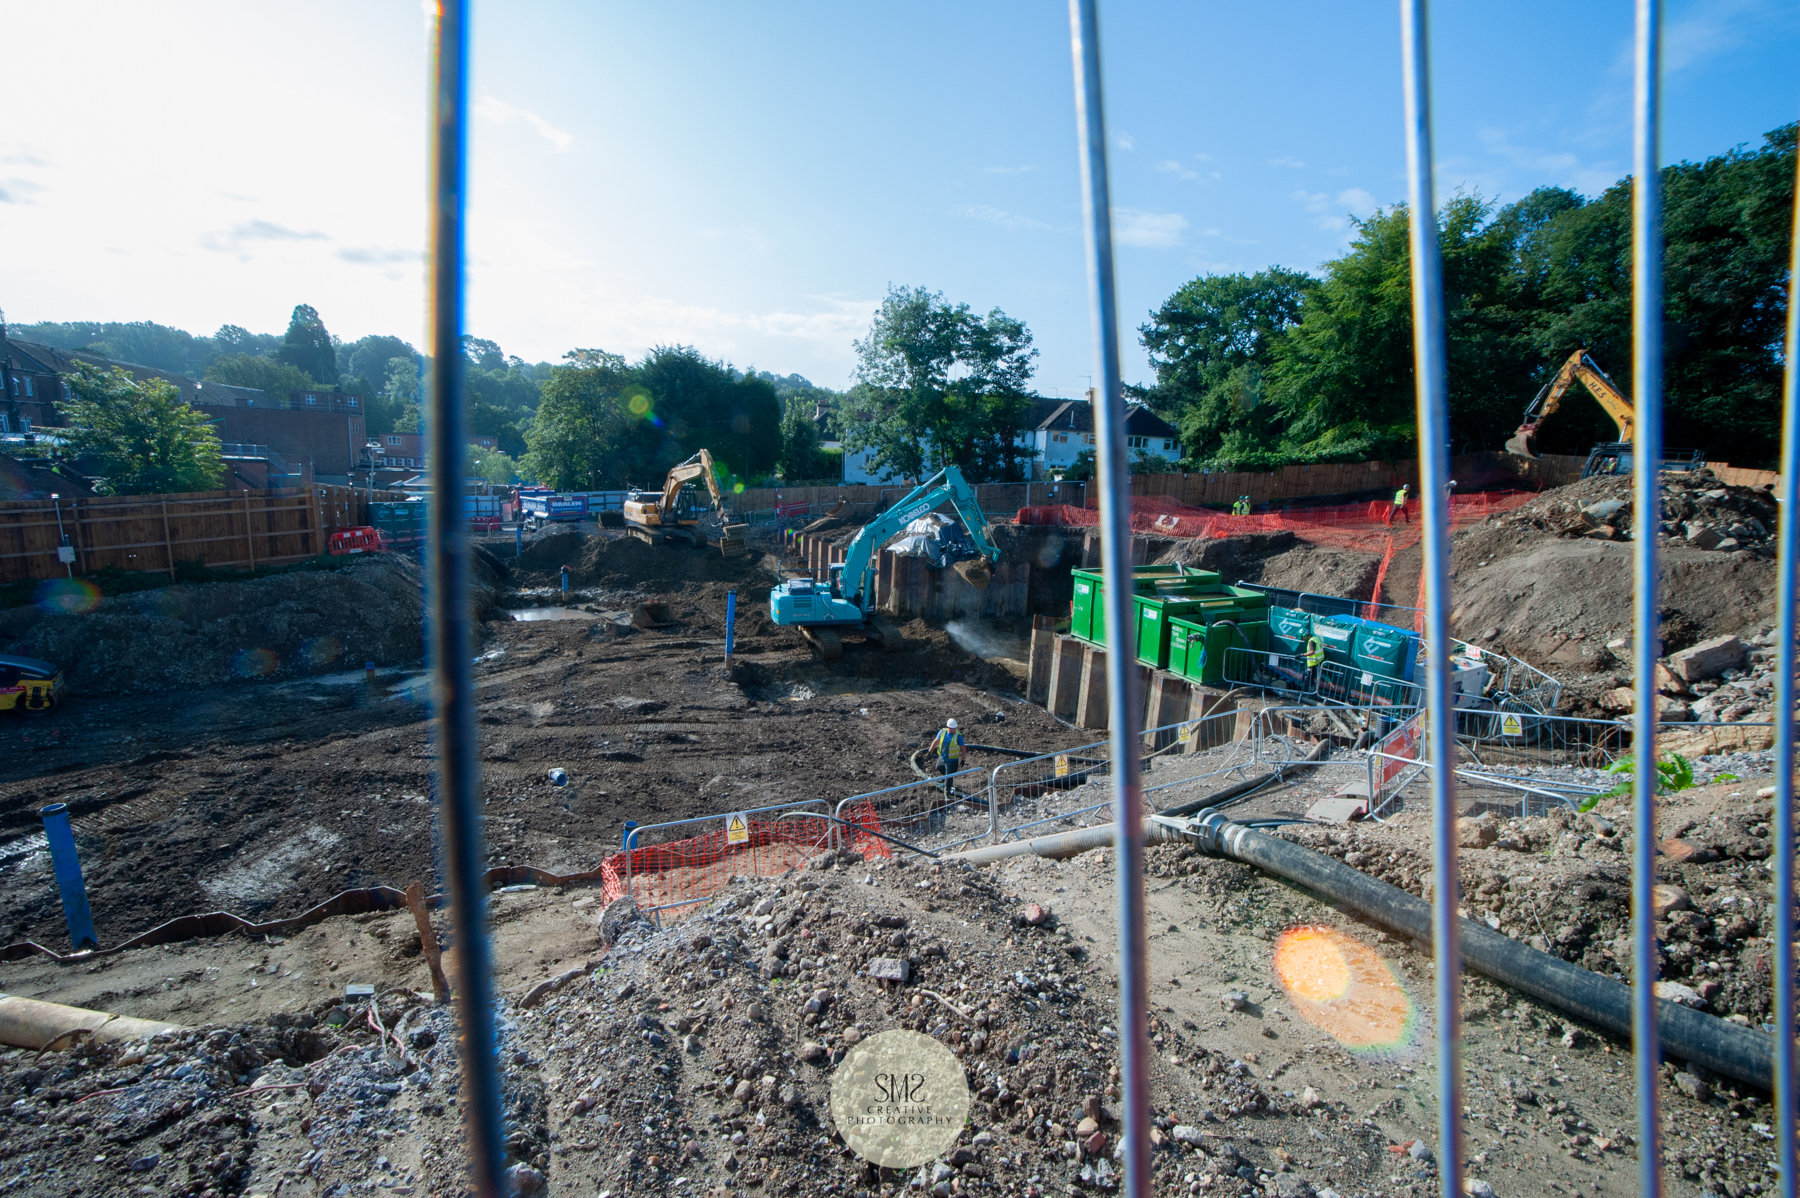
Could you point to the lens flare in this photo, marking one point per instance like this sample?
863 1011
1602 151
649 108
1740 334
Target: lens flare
254 663
321 650
1345 989
68 596
640 405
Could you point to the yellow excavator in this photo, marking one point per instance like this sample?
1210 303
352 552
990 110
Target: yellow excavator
1611 457
674 514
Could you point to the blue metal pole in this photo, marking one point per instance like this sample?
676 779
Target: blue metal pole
631 826
1646 400
68 876
730 625
1122 699
459 783
1783 819
1433 413
519 538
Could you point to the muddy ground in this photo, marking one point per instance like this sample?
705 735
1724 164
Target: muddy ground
263 798
698 1058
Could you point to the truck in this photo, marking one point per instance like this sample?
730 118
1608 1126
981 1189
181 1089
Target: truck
824 611
541 508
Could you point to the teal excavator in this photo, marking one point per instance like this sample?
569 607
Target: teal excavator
823 611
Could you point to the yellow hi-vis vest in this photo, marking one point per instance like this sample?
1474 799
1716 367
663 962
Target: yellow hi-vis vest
1400 498
948 744
1315 653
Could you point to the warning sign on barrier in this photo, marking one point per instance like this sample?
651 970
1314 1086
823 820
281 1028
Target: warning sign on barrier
1062 765
1511 725
737 829
1186 735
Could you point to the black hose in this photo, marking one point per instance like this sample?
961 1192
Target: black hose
1737 1052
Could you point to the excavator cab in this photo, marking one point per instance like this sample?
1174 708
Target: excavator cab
1617 457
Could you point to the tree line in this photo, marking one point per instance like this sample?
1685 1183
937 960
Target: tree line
1279 366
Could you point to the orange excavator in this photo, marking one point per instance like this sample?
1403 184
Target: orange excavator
675 514
1611 457
1580 365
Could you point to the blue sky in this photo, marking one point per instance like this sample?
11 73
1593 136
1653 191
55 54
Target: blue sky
749 178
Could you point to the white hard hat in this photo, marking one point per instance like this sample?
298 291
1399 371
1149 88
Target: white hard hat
950 723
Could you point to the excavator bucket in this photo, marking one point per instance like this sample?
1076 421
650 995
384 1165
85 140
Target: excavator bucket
1520 443
975 572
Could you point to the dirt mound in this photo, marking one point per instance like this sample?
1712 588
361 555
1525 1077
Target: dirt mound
282 626
616 560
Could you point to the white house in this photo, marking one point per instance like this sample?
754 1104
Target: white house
1054 434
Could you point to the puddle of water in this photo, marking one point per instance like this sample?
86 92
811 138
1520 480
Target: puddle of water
549 613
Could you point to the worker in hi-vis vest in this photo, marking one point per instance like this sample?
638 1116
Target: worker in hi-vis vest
1315 657
1399 507
948 746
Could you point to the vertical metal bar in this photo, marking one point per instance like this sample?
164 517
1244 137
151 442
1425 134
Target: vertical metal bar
1122 706
1434 512
1646 383
459 783
1782 821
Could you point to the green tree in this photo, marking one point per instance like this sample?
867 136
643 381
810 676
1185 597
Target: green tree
498 468
800 456
937 384
584 414
402 393
1210 344
308 346
139 438
367 357
265 374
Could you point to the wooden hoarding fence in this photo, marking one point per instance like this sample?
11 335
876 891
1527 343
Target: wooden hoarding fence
217 529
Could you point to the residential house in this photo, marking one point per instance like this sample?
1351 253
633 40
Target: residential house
1052 434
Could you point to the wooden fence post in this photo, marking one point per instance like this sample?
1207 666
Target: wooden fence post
249 541
168 545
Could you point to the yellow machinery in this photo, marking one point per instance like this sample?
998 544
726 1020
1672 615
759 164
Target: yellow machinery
1580 365
30 685
675 516
1610 457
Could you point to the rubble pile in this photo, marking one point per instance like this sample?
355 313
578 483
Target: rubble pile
1697 509
1562 883
705 1052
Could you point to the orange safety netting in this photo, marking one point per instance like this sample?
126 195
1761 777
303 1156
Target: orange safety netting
1370 527
679 872
1364 527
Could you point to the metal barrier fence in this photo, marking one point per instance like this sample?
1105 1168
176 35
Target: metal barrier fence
458 780
686 861
936 813
1051 787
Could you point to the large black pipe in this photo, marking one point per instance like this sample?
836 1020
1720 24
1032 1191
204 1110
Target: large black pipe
1736 1052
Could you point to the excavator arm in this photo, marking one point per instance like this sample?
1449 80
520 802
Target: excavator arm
698 466
947 484
1579 365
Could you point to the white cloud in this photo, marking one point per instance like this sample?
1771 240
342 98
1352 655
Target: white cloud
239 237
1202 157
1125 141
387 259
1293 163
1333 213
500 112
1008 170
1010 221
18 191
1148 230
1169 166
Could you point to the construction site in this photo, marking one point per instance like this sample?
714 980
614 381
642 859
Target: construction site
723 849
